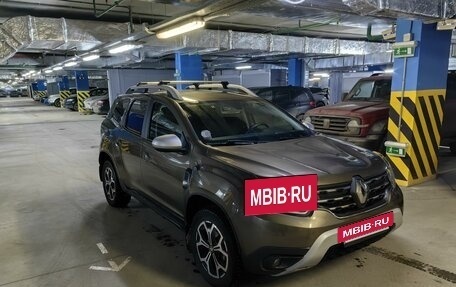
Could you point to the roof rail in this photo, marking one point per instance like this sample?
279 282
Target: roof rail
208 85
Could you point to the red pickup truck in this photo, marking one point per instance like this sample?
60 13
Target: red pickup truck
362 117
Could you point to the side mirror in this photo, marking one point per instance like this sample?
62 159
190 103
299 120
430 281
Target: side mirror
308 125
167 143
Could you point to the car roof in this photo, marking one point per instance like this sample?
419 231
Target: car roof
199 95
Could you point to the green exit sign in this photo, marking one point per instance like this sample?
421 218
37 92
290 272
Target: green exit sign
402 52
395 151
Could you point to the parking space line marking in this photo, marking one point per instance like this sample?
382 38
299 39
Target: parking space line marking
102 248
443 274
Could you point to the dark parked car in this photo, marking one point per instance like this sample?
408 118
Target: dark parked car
190 154
295 100
362 117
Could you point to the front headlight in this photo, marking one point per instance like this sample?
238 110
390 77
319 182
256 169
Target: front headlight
389 169
307 120
353 126
378 128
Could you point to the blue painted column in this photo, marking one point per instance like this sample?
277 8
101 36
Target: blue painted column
417 99
41 88
82 87
188 67
295 72
64 90
35 91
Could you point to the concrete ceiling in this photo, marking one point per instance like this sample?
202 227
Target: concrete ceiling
333 19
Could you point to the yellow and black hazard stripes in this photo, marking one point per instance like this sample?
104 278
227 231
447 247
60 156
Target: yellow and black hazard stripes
82 96
41 93
64 94
420 119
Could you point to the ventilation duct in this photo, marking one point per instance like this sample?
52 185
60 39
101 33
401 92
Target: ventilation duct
237 43
27 32
438 9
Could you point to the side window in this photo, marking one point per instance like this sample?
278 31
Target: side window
282 98
299 97
382 89
119 109
163 122
136 115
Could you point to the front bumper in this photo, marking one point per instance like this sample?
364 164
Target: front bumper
324 242
301 241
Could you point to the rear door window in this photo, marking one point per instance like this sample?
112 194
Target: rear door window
136 114
119 109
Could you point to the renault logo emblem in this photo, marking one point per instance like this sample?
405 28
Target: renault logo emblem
359 191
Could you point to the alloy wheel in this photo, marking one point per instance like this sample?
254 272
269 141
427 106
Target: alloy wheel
110 183
212 249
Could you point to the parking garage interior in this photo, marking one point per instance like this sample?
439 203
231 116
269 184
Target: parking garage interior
56 228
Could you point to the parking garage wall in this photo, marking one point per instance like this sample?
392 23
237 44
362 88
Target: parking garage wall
119 80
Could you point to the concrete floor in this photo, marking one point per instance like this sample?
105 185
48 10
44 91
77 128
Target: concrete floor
53 214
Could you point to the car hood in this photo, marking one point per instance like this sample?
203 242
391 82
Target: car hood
350 108
332 160
54 96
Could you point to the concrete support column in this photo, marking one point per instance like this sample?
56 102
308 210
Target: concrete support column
188 67
335 87
82 87
64 89
417 98
295 72
41 88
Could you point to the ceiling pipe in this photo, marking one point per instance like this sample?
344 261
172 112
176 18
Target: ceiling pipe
114 5
373 38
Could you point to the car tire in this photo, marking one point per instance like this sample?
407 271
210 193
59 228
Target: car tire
221 266
75 106
320 104
115 196
57 103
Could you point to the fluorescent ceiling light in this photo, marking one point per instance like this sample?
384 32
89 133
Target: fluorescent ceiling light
70 64
90 57
314 79
181 29
243 67
57 68
123 48
48 71
323 75
389 71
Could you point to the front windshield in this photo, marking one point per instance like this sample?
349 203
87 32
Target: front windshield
371 90
236 122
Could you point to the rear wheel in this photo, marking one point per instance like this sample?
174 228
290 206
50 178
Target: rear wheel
214 249
57 103
75 106
115 196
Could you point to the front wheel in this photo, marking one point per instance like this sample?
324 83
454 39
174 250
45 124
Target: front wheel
214 249
57 103
115 196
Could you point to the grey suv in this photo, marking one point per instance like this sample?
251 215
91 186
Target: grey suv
190 154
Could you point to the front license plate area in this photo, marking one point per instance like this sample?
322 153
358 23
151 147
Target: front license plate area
365 228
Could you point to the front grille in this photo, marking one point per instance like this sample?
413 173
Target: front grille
330 124
338 199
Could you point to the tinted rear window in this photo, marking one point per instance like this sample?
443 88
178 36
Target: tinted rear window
136 114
